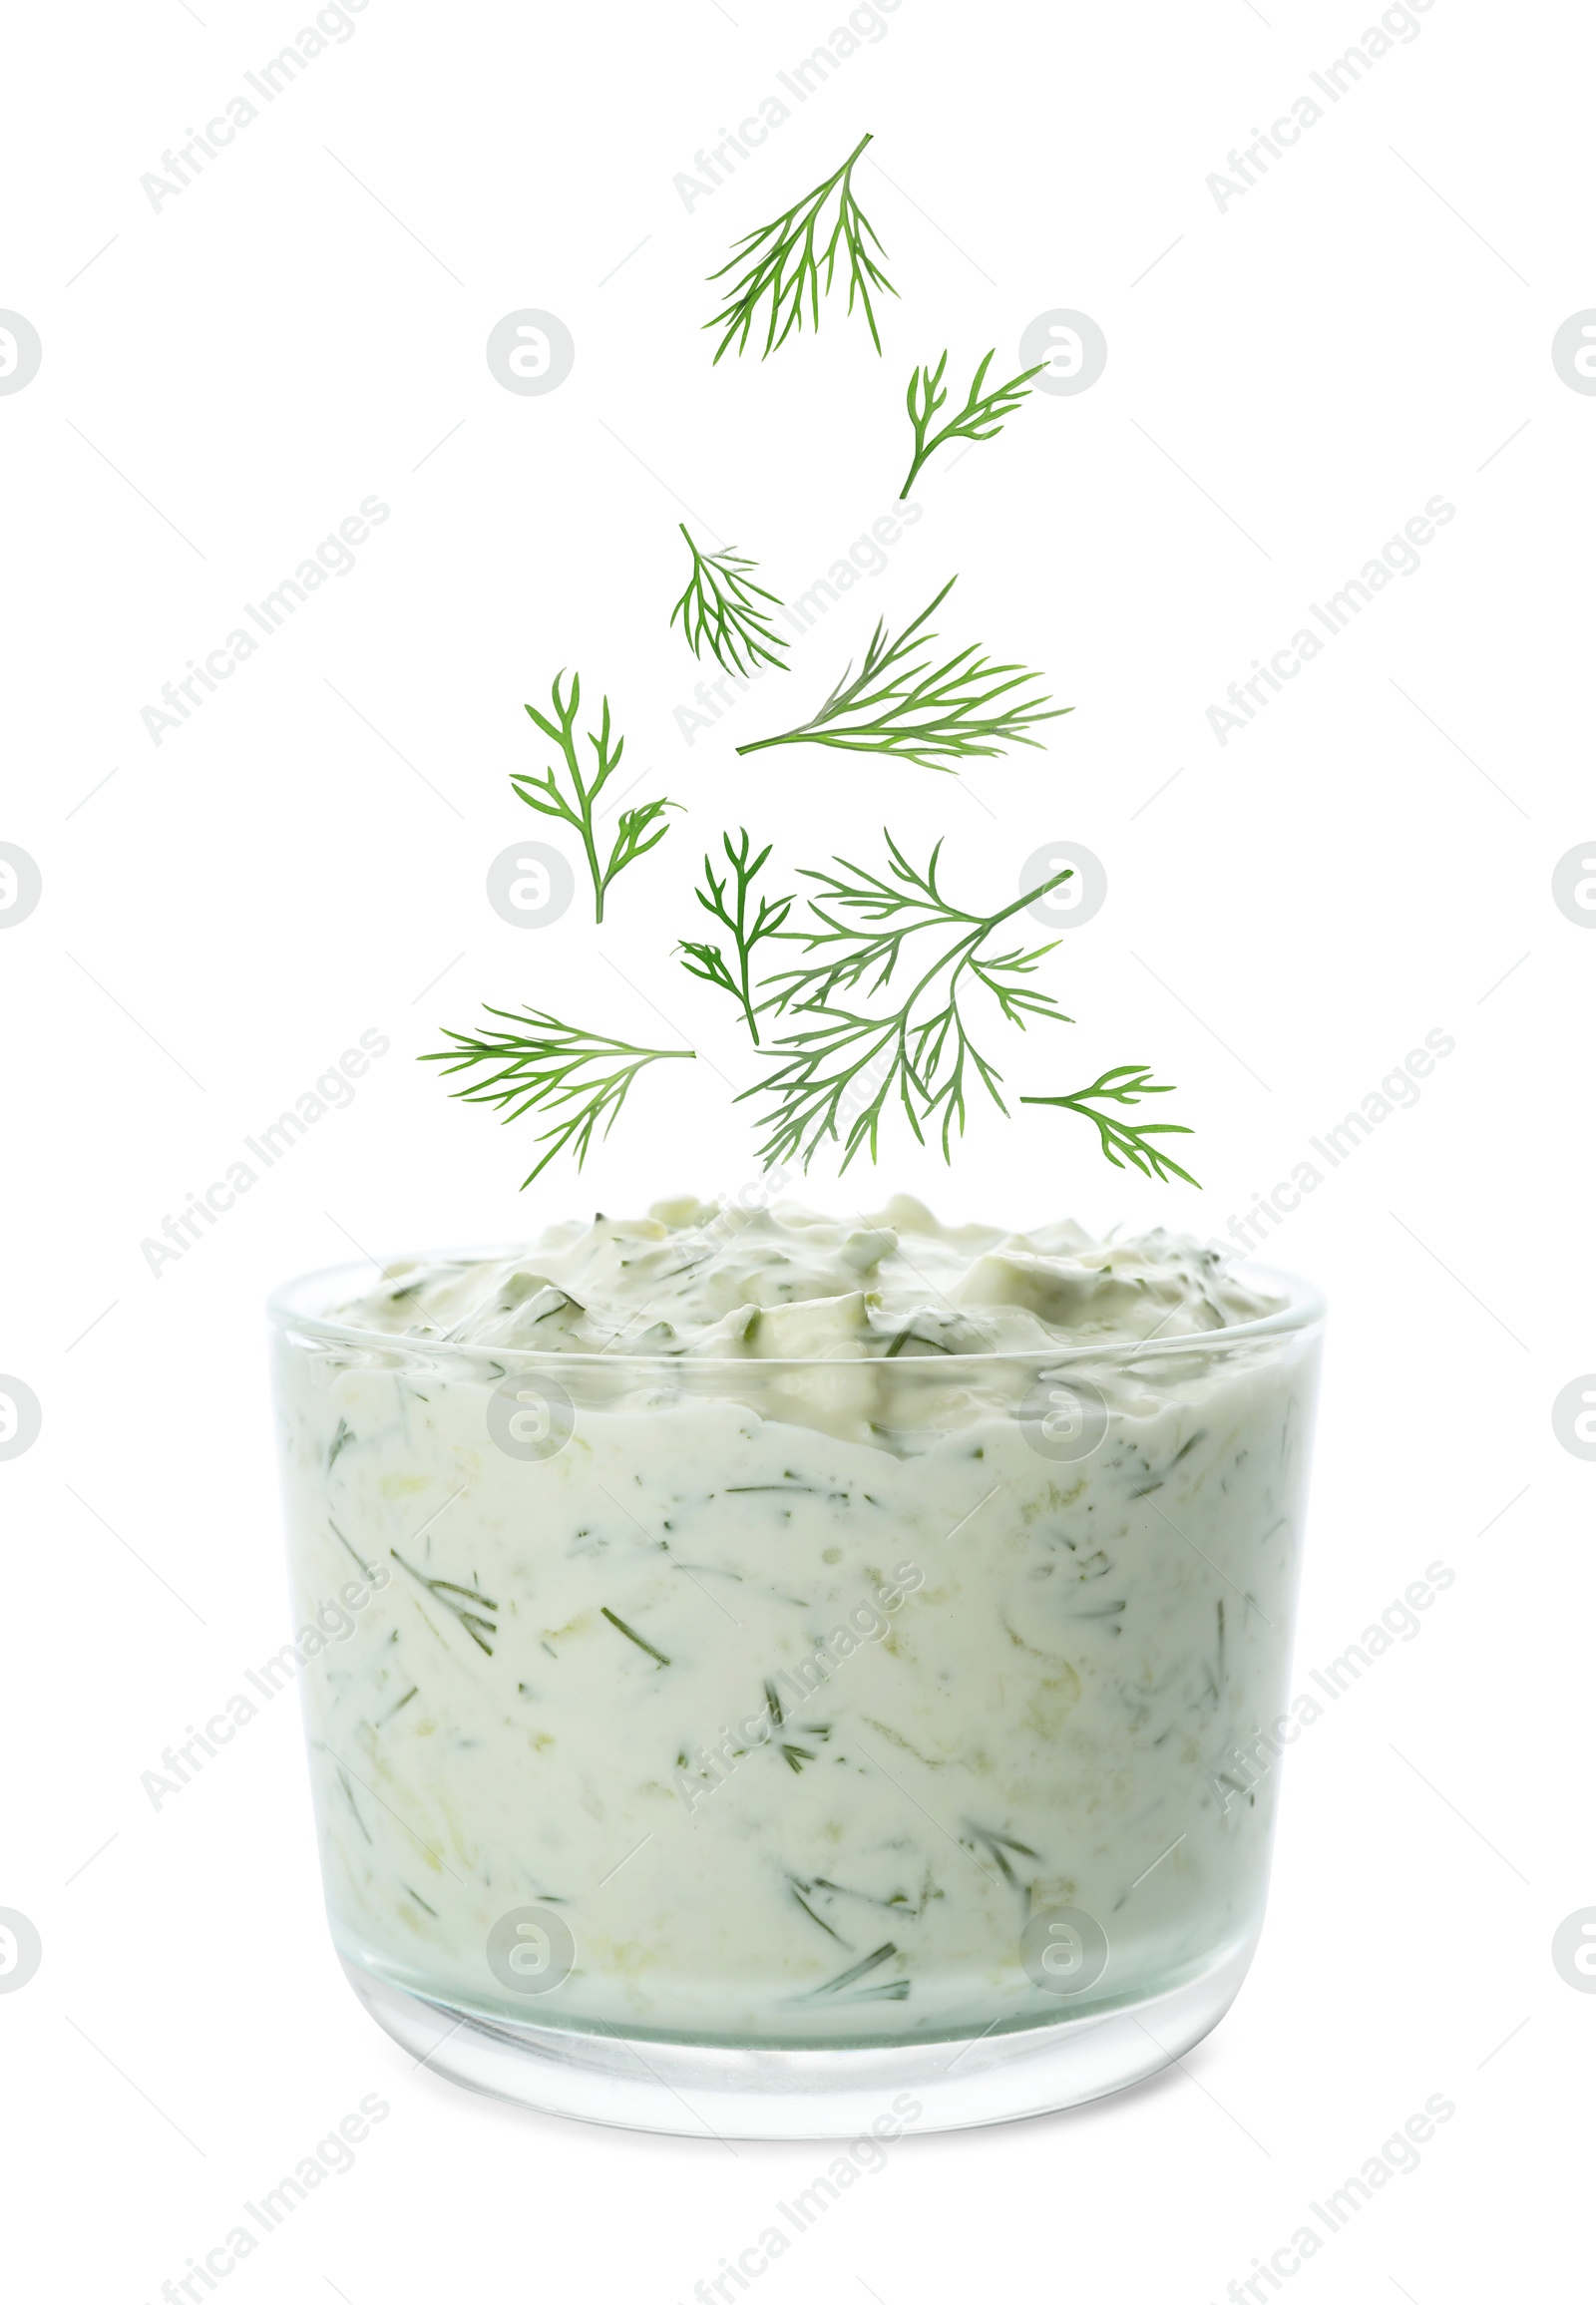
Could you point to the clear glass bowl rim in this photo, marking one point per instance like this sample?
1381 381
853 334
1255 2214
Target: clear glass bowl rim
1303 1310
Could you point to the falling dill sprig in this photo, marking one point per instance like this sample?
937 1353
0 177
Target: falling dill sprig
833 1077
1127 1141
707 960
784 260
543 1065
911 708
638 830
982 417
721 607
455 1598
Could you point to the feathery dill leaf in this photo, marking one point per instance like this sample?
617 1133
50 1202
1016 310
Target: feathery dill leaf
638 830
707 960
1122 1141
981 418
934 716
784 260
834 1076
721 606
576 1076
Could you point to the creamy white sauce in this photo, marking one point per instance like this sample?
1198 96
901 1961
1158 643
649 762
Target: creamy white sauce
787 1642
765 1283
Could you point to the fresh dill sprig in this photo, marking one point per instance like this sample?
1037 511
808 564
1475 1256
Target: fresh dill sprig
981 418
633 837
721 606
1122 1141
783 261
707 960
844 1067
541 1064
934 716
455 1598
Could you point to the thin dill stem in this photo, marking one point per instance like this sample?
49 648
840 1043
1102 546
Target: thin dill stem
647 1647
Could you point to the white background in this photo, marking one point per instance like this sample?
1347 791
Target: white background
1288 380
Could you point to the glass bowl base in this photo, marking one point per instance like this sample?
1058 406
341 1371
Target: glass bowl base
688 2090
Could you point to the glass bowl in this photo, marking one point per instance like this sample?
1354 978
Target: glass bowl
753 1747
